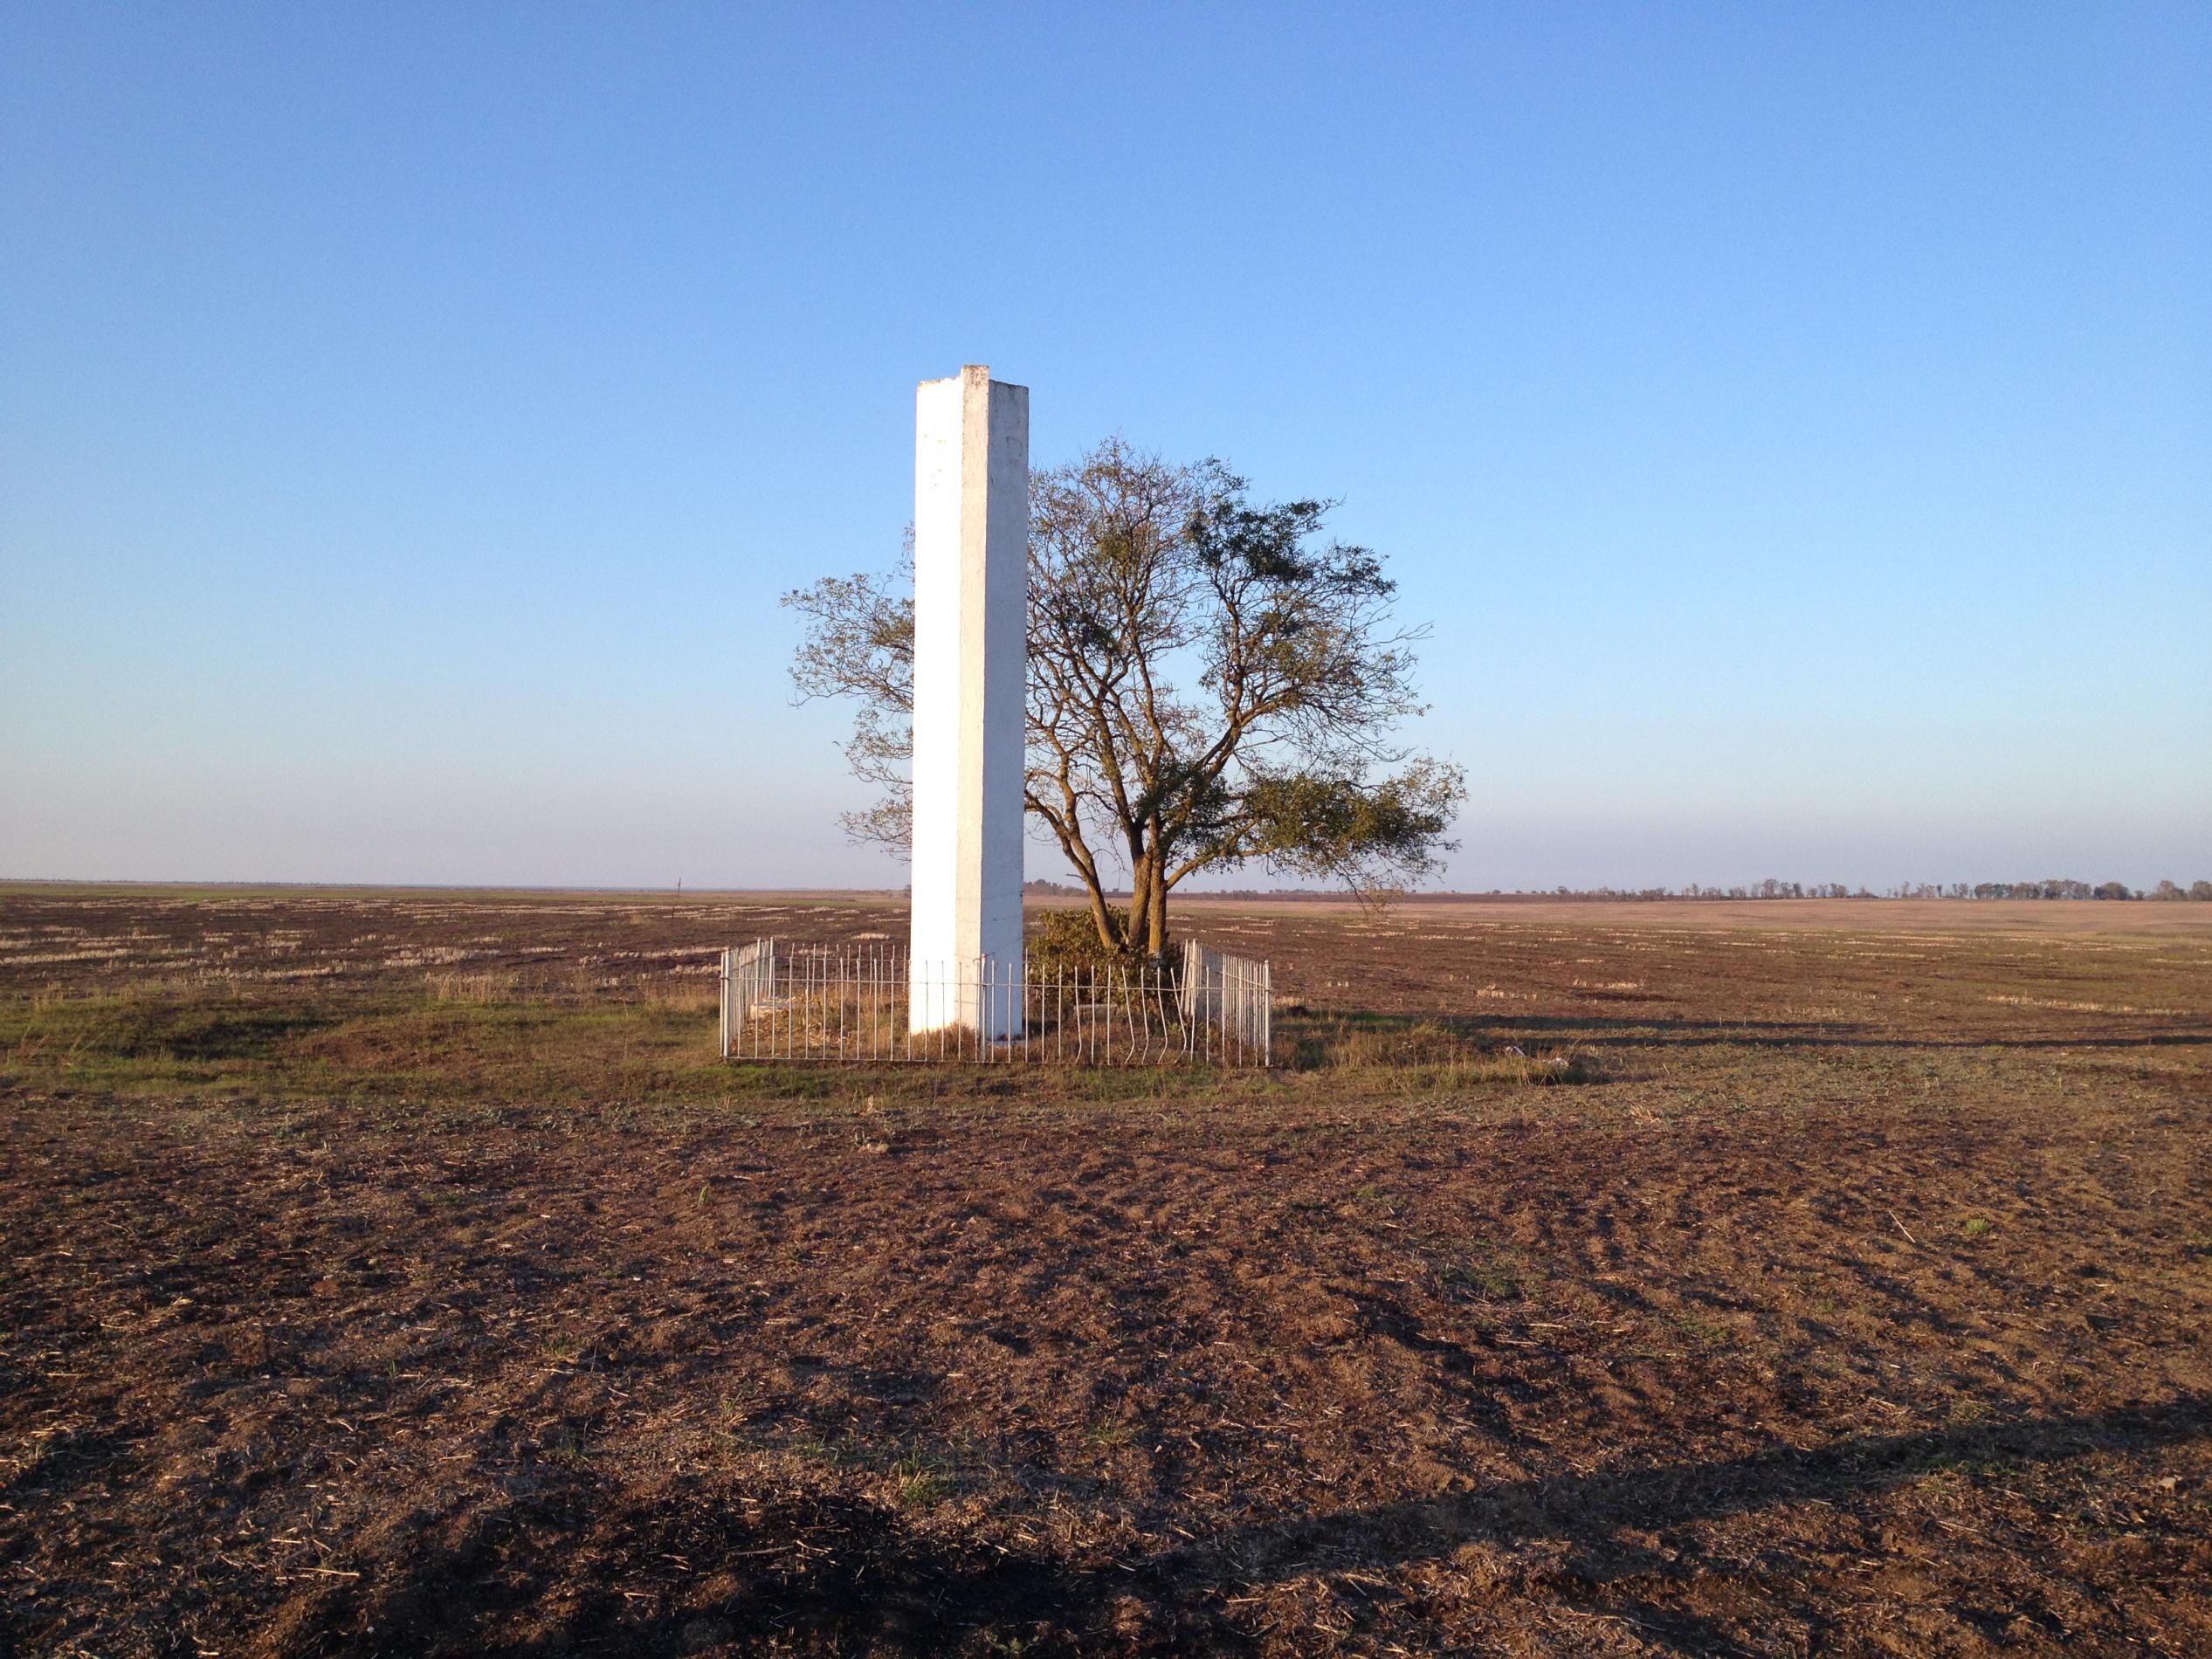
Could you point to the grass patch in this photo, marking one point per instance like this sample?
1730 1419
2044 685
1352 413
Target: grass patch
1423 1055
461 1043
919 1486
1483 1271
161 1029
1699 1328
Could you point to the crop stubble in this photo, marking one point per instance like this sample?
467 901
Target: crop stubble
399 1273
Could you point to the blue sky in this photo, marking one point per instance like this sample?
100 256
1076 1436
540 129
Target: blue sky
1797 422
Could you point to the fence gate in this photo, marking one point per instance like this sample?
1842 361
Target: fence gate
782 1001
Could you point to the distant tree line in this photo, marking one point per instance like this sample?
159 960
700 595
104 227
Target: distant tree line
2199 891
2055 887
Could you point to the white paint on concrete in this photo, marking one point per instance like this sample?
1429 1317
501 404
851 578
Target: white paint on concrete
971 600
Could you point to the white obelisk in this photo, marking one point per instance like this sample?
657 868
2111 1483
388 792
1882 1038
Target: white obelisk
971 600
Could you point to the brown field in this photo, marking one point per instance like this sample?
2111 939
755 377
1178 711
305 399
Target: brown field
398 1272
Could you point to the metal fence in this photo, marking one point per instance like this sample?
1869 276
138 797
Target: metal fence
782 1001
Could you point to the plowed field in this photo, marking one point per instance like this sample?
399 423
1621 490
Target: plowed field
400 1273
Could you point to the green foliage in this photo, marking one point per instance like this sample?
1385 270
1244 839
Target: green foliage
1069 939
922 1484
1340 825
1484 1270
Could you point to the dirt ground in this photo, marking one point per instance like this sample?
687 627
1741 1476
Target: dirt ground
400 1273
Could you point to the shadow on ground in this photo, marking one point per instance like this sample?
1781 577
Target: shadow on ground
693 1567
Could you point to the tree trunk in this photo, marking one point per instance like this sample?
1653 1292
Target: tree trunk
1102 917
1157 943
1144 877
1148 931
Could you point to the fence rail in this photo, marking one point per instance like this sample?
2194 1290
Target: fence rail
782 1001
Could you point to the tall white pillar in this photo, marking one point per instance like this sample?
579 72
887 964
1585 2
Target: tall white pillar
971 599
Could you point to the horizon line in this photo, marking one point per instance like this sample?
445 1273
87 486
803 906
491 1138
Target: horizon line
1692 893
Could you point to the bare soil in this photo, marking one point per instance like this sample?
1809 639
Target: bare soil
399 1273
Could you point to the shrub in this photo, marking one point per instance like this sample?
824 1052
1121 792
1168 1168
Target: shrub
1066 938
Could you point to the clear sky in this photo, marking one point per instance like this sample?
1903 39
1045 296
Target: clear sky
1796 421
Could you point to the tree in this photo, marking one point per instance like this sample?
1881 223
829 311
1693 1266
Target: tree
1212 682
2200 889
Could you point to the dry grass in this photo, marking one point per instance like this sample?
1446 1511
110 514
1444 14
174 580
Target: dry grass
1402 1053
477 989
